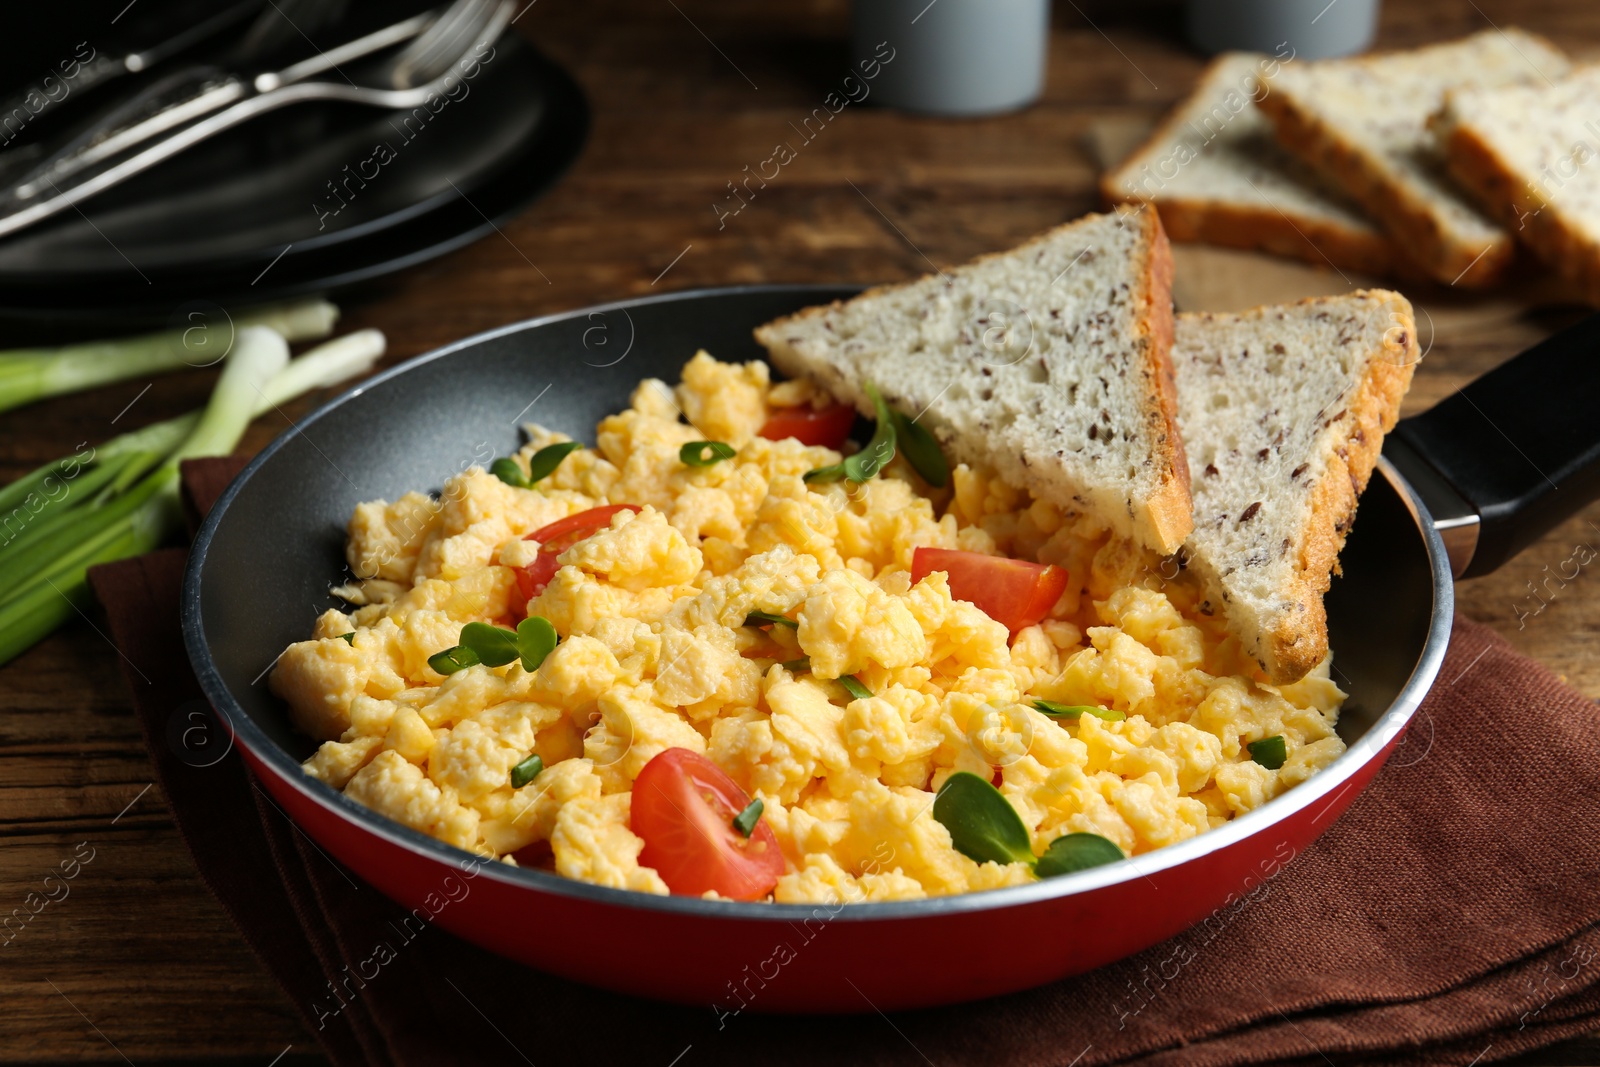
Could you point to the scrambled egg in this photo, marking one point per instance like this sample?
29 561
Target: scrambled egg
654 655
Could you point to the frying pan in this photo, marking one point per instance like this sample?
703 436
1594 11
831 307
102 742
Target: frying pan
1486 463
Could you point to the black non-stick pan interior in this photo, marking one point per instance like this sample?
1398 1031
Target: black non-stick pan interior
277 546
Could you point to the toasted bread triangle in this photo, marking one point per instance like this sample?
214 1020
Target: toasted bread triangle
1048 364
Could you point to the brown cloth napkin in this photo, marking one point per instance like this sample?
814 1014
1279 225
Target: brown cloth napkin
1448 918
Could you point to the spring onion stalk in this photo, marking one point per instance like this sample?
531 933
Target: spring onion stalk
121 499
31 374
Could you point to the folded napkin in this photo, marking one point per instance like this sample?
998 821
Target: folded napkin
1448 918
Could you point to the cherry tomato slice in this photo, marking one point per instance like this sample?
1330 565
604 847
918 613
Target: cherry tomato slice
683 807
827 426
554 540
1010 591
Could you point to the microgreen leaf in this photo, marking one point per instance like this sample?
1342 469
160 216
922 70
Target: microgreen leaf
922 451
526 771
547 459
1074 711
536 639
853 686
1076 852
1269 752
349 638
705 453
507 470
453 659
796 666
865 464
493 646
745 821
983 825
765 618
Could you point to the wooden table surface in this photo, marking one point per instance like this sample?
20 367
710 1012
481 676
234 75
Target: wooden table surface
140 964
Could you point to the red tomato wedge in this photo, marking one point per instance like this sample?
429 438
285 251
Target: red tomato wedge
556 539
827 426
1010 591
683 807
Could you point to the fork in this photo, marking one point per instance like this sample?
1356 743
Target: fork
417 73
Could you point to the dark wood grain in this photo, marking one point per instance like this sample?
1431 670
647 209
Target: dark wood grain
139 962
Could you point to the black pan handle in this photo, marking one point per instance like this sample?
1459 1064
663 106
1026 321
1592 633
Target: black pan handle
1520 446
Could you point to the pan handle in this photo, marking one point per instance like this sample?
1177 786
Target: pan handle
1518 450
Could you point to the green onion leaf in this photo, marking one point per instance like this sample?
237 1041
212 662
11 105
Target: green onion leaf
493 646
694 454
526 771
453 659
507 470
547 459
1074 711
768 618
349 638
983 825
796 666
1076 852
922 451
745 821
536 639
864 465
1269 752
853 686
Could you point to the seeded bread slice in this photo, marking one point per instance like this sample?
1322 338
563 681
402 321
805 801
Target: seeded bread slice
1363 123
1283 410
1529 154
1047 363
1217 174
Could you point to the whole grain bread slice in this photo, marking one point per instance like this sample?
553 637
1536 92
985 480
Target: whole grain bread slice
1283 410
1217 174
1530 154
1048 364
1363 123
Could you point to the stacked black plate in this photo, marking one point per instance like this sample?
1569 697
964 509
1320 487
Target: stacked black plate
311 198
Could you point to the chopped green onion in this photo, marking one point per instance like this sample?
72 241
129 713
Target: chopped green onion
526 771
982 823
31 374
1074 711
853 686
796 666
458 658
745 821
923 452
507 470
694 454
1270 752
865 464
547 459
349 638
768 618
1076 852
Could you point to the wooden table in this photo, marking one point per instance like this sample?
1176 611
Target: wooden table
140 962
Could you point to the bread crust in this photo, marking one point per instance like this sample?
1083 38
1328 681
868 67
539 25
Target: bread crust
1405 216
1169 517
1507 196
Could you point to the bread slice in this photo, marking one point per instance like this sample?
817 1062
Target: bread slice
1363 123
1217 174
1283 410
1529 154
1047 363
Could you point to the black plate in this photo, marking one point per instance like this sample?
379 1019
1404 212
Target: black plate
254 206
261 567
